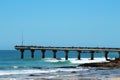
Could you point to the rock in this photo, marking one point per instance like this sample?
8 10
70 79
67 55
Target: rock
113 64
73 72
67 67
34 75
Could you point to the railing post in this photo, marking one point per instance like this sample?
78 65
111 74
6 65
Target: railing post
54 53
32 53
22 53
79 56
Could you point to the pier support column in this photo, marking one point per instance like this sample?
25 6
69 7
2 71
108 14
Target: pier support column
106 55
54 53
22 53
79 56
32 53
92 55
66 54
43 53
119 54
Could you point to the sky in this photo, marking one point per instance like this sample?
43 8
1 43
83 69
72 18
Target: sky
80 23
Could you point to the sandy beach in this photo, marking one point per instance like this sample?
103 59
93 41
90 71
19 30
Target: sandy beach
118 78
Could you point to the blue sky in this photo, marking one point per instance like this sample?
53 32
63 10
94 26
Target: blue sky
93 23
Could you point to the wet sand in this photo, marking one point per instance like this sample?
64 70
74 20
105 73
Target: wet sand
117 78
90 74
73 76
59 78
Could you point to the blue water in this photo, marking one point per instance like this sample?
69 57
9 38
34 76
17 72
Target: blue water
10 58
11 62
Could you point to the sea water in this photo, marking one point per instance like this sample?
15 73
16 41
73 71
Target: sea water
12 66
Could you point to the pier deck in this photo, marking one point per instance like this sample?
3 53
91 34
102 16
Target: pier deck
91 50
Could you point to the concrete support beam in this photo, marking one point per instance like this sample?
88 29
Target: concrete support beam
32 53
79 56
54 53
66 54
92 55
22 53
43 53
106 55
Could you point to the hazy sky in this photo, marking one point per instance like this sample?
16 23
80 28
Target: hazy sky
94 23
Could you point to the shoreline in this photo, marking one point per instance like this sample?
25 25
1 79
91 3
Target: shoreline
90 74
62 77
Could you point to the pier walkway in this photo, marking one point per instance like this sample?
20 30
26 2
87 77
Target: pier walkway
80 50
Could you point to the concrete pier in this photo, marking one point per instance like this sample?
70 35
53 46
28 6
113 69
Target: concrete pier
79 50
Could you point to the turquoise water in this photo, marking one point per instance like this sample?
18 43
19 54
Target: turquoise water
12 64
11 58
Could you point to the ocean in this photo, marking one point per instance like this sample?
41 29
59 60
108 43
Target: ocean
12 66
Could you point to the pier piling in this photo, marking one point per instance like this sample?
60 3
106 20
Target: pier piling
119 54
66 54
79 56
106 55
22 53
54 53
32 53
43 53
92 55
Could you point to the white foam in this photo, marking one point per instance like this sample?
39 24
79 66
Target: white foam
87 60
11 72
54 60
36 71
71 69
15 67
75 61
